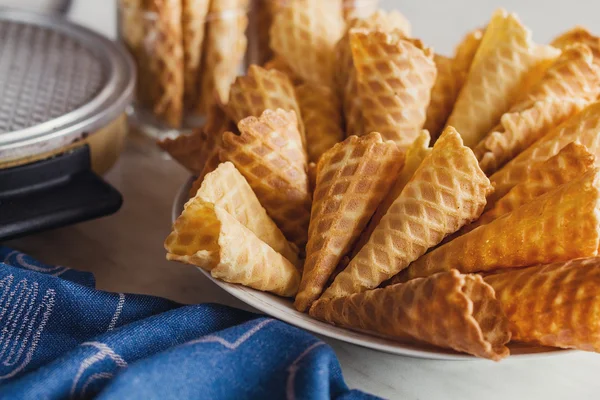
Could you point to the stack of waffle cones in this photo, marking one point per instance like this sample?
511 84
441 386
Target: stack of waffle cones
318 182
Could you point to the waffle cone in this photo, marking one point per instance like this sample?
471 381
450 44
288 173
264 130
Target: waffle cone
569 164
415 154
262 90
131 24
573 75
560 225
582 127
187 150
553 305
395 77
447 191
225 49
443 95
322 116
304 34
345 77
449 310
193 22
262 19
165 62
464 55
210 238
502 65
520 129
198 151
579 35
352 178
226 188
269 154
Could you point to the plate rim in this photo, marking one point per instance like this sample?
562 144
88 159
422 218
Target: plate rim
248 296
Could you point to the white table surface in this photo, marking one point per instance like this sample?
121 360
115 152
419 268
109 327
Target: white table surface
125 250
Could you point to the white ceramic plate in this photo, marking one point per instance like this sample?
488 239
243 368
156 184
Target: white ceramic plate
283 309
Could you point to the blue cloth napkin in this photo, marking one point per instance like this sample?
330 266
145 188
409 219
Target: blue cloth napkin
61 338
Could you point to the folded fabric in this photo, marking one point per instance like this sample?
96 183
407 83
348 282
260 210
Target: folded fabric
61 338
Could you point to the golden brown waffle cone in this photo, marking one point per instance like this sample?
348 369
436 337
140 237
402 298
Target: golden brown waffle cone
359 8
554 305
352 178
560 225
520 129
579 35
447 191
226 188
304 34
464 55
193 22
165 61
443 96
280 65
262 90
573 75
449 310
269 154
210 238
226 44
345 77
569 164
262 15
502 64
186 150
322 116
196 151
395 77
583 127
415 154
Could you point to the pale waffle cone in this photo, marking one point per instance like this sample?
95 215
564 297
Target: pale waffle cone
359 8
569 164
579 35
520 129
554 305
415 154
261 90
464 55
573 75
503 63
352 178
280 65
193 26
166 61
322 116
449 310
210 238
395 77
304 34
558 226
583 127
447 191
225 48
443 96
269 154
226 188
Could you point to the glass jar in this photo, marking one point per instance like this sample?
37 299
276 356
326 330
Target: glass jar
187 53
